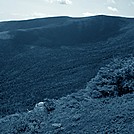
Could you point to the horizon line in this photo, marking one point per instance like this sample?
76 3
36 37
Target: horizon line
56 16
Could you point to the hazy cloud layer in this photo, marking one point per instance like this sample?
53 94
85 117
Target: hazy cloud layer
33 15
26 9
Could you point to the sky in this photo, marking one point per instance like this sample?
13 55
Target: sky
29 9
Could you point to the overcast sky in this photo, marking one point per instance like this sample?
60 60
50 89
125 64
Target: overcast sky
28 9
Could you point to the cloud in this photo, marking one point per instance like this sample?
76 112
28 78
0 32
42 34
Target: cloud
88 14
38 14
64 2
111 2
113 9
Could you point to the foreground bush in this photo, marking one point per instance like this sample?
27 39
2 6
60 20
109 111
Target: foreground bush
116 79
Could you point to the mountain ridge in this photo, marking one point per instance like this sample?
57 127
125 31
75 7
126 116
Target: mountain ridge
58 18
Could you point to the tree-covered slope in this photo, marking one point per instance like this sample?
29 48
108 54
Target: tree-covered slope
54 57
80 112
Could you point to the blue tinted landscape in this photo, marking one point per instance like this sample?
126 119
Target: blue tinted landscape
64 75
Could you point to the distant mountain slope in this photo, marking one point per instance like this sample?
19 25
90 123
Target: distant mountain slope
54 32
53 57
34 23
